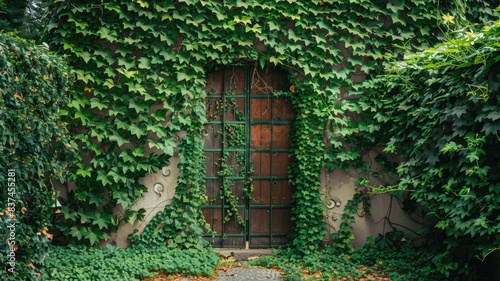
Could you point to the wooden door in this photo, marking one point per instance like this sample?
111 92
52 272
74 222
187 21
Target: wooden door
247 158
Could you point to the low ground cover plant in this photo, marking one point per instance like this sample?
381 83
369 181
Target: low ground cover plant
134 263
377 260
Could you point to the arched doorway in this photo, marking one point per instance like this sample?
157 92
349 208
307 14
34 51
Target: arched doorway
247 157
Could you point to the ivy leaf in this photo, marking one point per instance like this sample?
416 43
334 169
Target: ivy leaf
118 139
102 176
491 128
135 130
84 170
451 147
256 28
144 63
242 19
100 222
494 115
96 103
75 232
122 199
262 62
276 60
92 237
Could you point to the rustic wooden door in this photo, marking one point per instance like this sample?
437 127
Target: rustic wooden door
247 157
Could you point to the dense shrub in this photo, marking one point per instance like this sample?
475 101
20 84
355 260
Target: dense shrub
33 89
439 110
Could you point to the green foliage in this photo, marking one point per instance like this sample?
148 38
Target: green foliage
344 234
307 150
134 263
141 67
34 87
438 110
401 261
26 18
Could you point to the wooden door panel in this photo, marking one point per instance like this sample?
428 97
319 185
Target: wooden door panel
261 109
261 158
282 109
261 194
261 164
280 162
260 225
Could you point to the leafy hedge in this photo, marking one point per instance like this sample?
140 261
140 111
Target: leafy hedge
134 263
440 111
33 88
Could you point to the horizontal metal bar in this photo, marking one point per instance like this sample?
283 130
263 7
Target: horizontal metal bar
270 122
225 96
227 235
274 234
260 246
261 96
252 206
270 177
220 206
277 234
224 150
256 149
259 149
226 122
226 177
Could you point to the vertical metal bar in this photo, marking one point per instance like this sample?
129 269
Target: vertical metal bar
271 184
223 119
248 116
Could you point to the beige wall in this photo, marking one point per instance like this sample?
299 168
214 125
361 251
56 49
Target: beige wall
161 189
340 187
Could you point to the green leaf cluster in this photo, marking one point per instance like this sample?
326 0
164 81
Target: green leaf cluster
134 263
438 110
34 87
400 261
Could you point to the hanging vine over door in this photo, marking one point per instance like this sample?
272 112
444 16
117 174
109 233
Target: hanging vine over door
238 135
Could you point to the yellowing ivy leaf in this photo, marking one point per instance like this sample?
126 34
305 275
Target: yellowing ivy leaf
244 20
143 4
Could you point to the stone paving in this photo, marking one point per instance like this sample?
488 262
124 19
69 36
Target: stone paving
247 274
250 274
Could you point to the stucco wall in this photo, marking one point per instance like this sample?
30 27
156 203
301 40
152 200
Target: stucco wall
386 211
161 189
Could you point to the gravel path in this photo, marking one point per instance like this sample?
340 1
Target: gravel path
250 274
247 274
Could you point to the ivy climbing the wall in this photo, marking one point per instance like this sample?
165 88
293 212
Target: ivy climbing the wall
141 69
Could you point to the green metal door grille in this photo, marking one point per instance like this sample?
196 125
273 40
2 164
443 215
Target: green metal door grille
247 152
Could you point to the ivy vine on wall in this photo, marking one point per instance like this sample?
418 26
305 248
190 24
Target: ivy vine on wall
141 68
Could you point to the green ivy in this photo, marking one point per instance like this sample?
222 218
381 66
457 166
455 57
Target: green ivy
34 149
141 67
134 263
400 261
438 110
344 234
